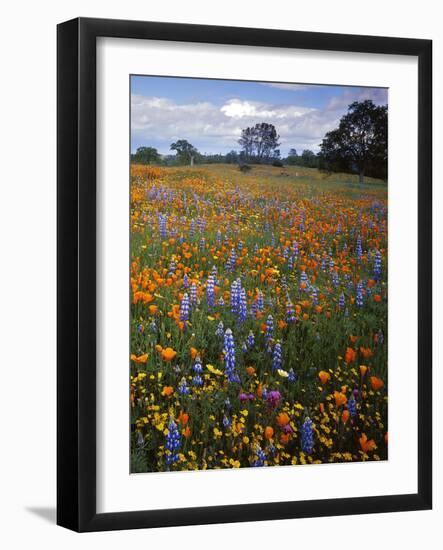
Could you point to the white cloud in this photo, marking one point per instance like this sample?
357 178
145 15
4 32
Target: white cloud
159 121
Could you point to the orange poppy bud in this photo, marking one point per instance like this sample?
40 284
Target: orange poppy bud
363 370
345 416
269 432
321 407
193 352
250 370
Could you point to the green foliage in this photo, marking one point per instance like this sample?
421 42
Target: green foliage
360 143
146 155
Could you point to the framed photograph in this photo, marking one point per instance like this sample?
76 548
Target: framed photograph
244 274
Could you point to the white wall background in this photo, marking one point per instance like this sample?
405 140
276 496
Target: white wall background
27 274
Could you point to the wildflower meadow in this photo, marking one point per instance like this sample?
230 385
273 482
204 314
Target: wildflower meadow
258 317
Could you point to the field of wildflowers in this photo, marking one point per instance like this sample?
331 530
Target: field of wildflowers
258 318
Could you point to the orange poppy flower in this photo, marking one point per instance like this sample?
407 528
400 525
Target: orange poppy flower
269 432
193 352
345 416
350 355
250 370
167 390
340 398
186 432
282 419
153 309
324 376
183 418
284 439
377 298
366 352
376 383
366 444
168 354
140 359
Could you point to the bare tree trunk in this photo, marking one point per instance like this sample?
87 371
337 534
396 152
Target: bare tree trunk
192 160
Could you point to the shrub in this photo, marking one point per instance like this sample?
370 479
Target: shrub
277 163
244 168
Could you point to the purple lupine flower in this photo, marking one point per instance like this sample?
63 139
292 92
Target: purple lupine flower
220 330
192 228
269 333
250 340
185 281
292 377
172 267
162 222
173 443
341 301
226 421
290 312
210 292
277 359
352 405
242 306
359 297
260 457
377 266
235 295
314 296
307 436
380 337
229 352
358 248
232 261
183 387
193 292
335 279
184 307
260 301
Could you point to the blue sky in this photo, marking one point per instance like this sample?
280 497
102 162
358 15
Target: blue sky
211 113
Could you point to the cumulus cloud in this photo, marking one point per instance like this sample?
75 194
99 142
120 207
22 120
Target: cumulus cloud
212 128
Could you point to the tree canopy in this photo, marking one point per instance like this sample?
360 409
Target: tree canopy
146 155
360 143
186 152
260 142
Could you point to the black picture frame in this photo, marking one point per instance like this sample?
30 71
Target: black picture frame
76 280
